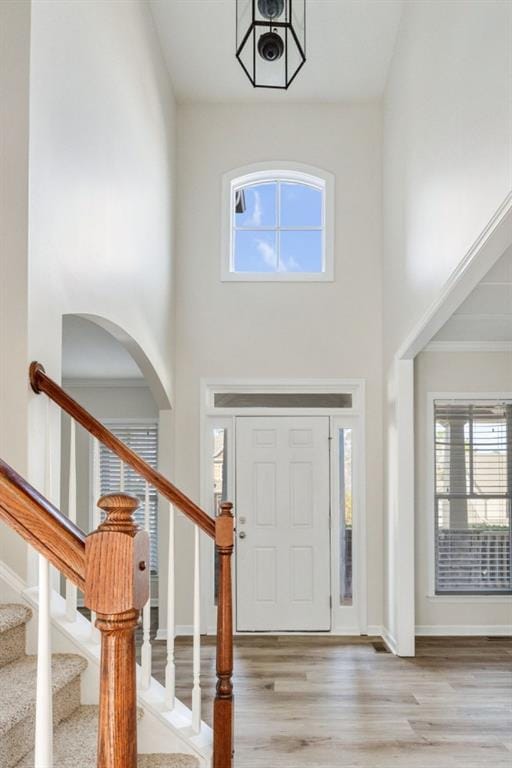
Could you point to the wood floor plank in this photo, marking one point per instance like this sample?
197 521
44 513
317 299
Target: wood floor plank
326 702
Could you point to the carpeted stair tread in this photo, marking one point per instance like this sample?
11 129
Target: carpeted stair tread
75 726
74 745
13 618
18 685
13 615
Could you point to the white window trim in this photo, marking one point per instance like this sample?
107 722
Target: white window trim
278 170
430 502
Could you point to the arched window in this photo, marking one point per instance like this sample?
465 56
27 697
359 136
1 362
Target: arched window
278 225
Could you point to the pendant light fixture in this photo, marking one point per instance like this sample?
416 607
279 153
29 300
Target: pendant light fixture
271 40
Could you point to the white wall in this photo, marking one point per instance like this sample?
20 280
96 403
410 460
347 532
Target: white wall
14 117
101 186
447 147
99 213
284 329
458 372
101 155
447 168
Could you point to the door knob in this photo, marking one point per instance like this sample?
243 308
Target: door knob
242 534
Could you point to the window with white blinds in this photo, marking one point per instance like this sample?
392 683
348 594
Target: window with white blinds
143 439
473 492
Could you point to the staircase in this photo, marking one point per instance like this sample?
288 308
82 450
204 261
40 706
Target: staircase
76 726
109 566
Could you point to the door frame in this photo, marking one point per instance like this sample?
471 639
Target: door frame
345 620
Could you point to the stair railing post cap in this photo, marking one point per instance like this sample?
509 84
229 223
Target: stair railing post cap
114 553
123 501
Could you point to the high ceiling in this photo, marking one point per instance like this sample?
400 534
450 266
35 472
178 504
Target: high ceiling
486 315
349 49
89 352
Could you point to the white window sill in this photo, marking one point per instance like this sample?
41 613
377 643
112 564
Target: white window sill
277 277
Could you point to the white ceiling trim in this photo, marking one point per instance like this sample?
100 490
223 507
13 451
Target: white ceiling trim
485 316
469 346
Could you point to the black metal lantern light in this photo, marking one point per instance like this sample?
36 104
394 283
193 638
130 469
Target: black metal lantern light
271 40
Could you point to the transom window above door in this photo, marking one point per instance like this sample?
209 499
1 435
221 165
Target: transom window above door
280 227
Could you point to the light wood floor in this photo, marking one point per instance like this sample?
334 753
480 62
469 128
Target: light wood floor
334 703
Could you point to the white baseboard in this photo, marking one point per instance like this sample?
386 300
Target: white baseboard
389 640
185 630
181 630
464 630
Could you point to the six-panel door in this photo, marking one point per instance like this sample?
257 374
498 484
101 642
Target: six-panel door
283 540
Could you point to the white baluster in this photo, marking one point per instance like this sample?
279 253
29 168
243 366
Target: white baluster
43 748
146 614
196 663
121 476
43 745
71 590
170 668
96 516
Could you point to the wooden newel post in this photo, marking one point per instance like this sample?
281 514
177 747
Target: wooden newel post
223 712
116 588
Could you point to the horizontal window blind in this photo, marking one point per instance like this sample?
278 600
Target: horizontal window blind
473 491
282 400
143 439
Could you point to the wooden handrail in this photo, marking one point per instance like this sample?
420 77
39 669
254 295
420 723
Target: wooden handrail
42 525
41 382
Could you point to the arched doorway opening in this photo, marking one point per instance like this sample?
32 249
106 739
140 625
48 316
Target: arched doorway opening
107 372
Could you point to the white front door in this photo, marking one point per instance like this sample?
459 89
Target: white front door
283 519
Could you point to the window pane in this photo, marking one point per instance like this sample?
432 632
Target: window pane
301 205
476 557
219 483
345 502
489 456
255 251
300 252
453 455
260 206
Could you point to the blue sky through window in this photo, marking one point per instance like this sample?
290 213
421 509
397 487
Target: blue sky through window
260 202
280 230
255 251
301 206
